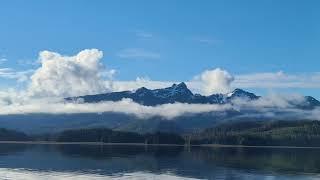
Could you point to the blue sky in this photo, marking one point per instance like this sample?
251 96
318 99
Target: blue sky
167 40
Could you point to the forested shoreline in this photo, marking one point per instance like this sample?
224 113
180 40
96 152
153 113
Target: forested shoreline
249 133
262 133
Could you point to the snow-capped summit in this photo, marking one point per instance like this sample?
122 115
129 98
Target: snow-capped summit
179 93
181 86
176 89
239 93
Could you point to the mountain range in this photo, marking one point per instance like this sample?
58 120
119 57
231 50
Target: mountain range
180 93
37 123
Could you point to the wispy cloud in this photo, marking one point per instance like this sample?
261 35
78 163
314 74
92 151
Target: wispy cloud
138 53
28 62
138 83
278 80
218 80
144 35
206 40
20 76
3 60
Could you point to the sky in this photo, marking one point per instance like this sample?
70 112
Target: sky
260 46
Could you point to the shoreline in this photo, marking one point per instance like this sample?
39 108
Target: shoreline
142 144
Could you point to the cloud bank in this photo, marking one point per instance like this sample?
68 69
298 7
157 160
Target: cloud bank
64 76
126 106
272 106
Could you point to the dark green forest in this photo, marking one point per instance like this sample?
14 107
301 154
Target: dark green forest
11 135
261 133
110 136
251 133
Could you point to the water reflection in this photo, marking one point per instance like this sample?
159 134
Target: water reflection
195 162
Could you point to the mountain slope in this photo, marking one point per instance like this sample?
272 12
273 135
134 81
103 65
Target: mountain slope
42 123
180 93
175 93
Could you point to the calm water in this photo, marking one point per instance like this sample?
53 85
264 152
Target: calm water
18 161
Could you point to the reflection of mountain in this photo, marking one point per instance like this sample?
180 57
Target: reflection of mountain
196 162
6 149
262 159
10 135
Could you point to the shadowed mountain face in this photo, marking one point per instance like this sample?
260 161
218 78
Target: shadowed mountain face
176 93
180 93
44 123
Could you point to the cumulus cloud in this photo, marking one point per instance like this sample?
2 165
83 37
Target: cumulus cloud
214 81
83 73
61 75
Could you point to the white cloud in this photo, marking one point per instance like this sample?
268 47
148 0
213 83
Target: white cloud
20 76
221 81
3 60
214 81
273 100
144 35
81 74
277 80
61 75
138 83
18 103
138 53
206 40
28 62
126 106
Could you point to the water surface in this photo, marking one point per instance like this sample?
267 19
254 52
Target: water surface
30 161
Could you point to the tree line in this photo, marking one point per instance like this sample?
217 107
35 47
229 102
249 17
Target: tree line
261 133
252 133
110 136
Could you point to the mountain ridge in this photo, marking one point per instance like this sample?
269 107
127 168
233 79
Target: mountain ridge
181 94
188 122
